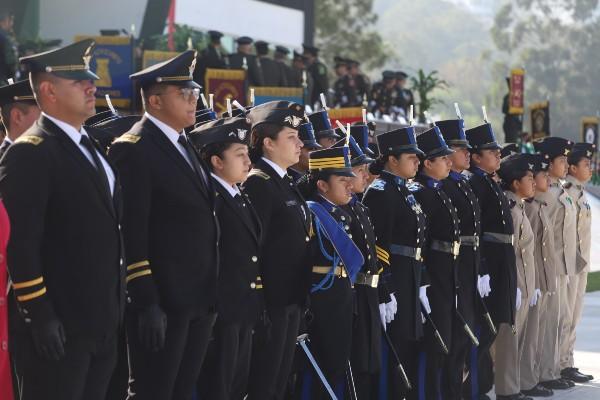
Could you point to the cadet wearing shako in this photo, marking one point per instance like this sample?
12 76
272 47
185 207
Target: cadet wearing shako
580 172
540 348
64 256
458 189
516 172
171 236
318 72
307 135
370 287
244 59
440 256
497 253
335 261
18 111
562 214
284 262
324 132
400 230
224 148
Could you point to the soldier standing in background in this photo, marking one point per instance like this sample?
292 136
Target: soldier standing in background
318 71
18 110
384 94
405 97
211 57
362 83
281 56
244 59
273 73
8 48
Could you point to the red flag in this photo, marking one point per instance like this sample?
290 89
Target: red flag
171 26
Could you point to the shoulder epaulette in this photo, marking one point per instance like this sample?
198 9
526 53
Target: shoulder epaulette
127 138
378 184
31 139
414 186
259 172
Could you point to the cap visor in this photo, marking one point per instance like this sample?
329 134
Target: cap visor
80 75
440 153
190 84
361 160
312 145
490 146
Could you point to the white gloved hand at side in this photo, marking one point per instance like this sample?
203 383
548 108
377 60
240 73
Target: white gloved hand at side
391 308
382 314
424 299
518 303
535 298
483 285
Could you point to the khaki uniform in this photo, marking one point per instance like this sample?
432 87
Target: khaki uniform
563 219
578 284
540 352
508 346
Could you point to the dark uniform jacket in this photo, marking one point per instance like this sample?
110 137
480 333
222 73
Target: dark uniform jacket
443 236
286 225
209 58
65 252
345 92
463 198
382 98
240 284
254 71
273 72
318 72
399 225
497 253
366 336
169 223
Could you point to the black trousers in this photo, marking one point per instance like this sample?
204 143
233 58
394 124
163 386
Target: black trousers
225 371
84 372
273 353
408 352
481 366
172 372
454 367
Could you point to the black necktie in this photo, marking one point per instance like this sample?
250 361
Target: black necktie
87 143
192 157
4 147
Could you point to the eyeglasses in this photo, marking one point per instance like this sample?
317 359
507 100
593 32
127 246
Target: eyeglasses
186 93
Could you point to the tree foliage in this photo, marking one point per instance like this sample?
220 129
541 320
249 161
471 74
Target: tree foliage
425 84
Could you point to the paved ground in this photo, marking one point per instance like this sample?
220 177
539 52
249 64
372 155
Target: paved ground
587 352
595 256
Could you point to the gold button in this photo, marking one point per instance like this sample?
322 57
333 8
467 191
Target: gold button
254 259
253 285
307 239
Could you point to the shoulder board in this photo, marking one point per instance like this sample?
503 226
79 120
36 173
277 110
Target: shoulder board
31 139
127 138
258 172
414 186
378 184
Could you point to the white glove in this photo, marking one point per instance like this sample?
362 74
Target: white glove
391 308
536 296
483 285
424 299
518 303
382 314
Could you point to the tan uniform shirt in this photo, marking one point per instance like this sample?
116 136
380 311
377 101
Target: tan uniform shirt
524 248
545 266
584 223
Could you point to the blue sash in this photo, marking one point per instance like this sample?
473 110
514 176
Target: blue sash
344 246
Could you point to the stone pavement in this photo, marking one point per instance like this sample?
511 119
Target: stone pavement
587 352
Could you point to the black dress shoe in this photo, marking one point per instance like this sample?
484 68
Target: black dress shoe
568 381
538 391
517 396
574 375
556 384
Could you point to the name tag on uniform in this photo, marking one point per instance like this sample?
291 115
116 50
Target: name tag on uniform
291 203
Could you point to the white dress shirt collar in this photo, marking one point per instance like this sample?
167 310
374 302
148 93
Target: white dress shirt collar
280 171
232 190
171 133
70 130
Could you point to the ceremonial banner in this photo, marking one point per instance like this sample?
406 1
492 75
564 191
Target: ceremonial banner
112 60
225 83
589 130
346 115
540 120
152 57
516 91
264 94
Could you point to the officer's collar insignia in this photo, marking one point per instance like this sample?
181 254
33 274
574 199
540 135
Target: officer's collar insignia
378 184
414 186
456 176
434 183
293 120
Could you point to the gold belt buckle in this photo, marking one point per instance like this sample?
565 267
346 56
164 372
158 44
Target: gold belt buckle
456 248
418 254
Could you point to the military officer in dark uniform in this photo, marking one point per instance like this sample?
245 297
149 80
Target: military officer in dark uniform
171 235
8 47
211 57
244 59
458 189
65 253
18 110
324 132
400 225
384 94
345 86
370 287
362 83
335 261
273 73
284 264
497 253
281 56
440 256
318 72
301 77
405 97
224 149
307 135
